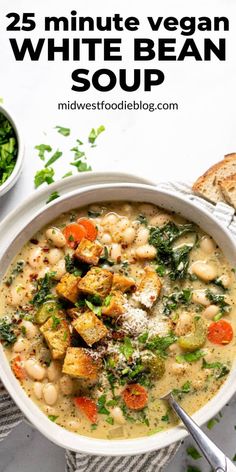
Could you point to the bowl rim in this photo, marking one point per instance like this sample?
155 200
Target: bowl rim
4 188
79 443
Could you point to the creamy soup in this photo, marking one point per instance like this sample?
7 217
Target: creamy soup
111 306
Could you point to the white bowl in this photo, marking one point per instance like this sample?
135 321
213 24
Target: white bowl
130 192
20 155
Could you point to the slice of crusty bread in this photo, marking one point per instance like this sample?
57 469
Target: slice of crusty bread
228 189
207 185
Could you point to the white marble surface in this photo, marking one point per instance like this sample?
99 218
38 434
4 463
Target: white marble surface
161 146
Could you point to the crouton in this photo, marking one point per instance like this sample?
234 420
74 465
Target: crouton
88 251
90 328
68 287
57 335
80 363
114 304
122 283
96 282
149 288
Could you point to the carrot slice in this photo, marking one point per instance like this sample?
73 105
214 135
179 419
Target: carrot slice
91 230
88 407
73 234
17 368
135 396
220 332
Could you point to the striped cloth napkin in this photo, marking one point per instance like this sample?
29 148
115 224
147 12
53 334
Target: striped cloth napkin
11 416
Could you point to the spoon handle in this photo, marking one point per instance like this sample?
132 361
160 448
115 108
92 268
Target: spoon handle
216 458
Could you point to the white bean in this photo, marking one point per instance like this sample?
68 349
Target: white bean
146 252
122 224
66 384
60 269
56 237
147 208
55 255
38 390
207 245
210 312
115 251
117 415
160 220
30 329
179 369
128 235
17 295
204 271
200 297
36 257
34 369
106 238
50 394
184 324
142 236
109 219
20 345
53 371
126 208
225 280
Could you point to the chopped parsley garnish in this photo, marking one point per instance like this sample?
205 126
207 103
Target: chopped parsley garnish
101 404
7 334
126 348
186 388
192 468
42 148
52 418
97 310
68 174
160 344
78 154
143 337
165 418
107 300
190 356
55 322
17 270
193 452
81 166
211 423
53 196
54 158
110 420
94 133
44 176
94 427
64 131
8 148
160 270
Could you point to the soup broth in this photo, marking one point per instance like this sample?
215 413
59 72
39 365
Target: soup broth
111 306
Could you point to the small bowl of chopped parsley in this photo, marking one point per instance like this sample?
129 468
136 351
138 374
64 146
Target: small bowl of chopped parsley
11 152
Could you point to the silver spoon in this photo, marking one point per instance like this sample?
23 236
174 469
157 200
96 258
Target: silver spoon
216 458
